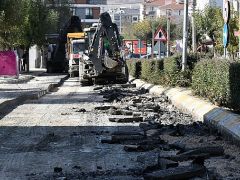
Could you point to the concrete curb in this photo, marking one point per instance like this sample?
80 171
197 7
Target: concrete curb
48 89
17 81
31 96
224 121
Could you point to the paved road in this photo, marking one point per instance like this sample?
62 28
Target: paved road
52 138
40 135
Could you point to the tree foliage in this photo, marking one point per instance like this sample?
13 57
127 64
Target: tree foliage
143 29
209 22
11 16
25 22
233 40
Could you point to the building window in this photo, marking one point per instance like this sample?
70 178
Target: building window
135 19
88 13
179 13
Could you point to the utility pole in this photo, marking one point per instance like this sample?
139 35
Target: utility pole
120 14
168 31
238 8
194 38
185 36
152 53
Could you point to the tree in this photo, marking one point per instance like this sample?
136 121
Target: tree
11 18
210 22
62 9
143 29
25 22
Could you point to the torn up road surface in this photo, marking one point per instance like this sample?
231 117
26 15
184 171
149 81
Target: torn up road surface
109 132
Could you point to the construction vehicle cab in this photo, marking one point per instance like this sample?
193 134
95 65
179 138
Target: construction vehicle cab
76 46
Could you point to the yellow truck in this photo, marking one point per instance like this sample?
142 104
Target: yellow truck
75 48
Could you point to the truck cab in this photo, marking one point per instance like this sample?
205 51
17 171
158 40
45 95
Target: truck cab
76 46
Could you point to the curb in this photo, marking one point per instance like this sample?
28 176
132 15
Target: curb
224 121
49 88
17 81
32 96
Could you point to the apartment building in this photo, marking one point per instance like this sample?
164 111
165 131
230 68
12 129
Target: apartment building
87 10
157 8
122 12
201 4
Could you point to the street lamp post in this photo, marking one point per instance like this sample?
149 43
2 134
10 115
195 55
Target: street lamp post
120 12
168 31
185 37
152 49
194 41
120 23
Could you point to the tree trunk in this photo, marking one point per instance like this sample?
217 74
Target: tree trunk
27 59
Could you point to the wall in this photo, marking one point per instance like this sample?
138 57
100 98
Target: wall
201 4
34 57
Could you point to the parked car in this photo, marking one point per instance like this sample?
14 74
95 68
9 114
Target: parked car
149 56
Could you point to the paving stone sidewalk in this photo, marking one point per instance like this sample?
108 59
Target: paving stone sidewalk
28 87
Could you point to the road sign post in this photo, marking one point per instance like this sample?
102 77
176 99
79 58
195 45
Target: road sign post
226 17
160 36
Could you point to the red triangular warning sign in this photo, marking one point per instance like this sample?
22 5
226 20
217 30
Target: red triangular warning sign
160 35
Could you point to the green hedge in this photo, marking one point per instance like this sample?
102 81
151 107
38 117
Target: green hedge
165 72
173 74
219 81
134 67
215 79
152 71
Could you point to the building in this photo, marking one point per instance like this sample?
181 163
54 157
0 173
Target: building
123 17
151 10
123 12
87 10
157 8
201 4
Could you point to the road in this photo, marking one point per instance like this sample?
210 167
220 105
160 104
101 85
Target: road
68 134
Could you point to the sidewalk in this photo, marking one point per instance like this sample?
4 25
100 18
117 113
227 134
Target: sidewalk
15 91
23 77
224 121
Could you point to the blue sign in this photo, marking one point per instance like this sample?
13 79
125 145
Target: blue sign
225 35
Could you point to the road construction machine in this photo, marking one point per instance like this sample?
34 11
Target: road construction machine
59 62
104 62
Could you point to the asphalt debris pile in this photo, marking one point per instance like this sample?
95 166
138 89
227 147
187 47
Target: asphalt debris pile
173 159
162 129
129 105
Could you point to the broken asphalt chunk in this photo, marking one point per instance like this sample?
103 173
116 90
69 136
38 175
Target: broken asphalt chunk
139 148
211 150
121 112
97 88
127 85
57 169
103 108
82 110
147 126
119 138
181 172
126 119
162 164
153 132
